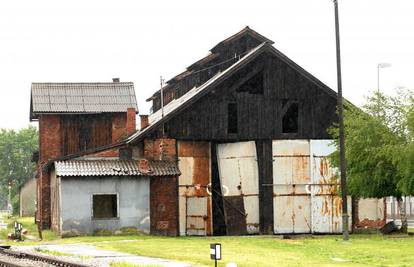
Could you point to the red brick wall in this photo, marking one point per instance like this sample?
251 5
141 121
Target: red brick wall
49 148
131 121
119 124
163 190
158 149
164 206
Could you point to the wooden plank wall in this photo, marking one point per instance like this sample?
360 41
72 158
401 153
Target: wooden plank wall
82 132
259 115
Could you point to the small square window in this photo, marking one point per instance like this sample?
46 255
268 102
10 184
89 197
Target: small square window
105 206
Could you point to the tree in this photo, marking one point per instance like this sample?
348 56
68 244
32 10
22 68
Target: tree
16 148
379 147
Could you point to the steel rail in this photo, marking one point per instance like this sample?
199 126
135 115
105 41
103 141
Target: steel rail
4 263
41 258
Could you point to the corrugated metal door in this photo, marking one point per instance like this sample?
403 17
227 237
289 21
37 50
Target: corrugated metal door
238 172
291 178
326 203
194 201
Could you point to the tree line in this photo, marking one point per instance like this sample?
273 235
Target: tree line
16 148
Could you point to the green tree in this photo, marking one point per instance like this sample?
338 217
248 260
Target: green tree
16 148
379 147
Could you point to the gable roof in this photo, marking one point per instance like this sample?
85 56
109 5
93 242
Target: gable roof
176 105
81 98
211 60
245 31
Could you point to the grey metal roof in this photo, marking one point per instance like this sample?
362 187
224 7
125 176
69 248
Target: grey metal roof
115 168
82 97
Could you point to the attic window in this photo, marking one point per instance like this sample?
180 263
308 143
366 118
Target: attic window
254 85
290 119
232 126
105 206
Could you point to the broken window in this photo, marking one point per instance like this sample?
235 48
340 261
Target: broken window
253 85
290 120
105 206
232 118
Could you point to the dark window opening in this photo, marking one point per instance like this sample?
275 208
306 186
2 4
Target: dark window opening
105 206
232 126
290 119
253 85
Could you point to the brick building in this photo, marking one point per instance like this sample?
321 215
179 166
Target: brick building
77 117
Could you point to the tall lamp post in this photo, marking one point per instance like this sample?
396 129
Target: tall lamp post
345 233
381 66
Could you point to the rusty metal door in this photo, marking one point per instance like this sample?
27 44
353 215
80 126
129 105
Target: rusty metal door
291 178
326 203
194 200
238 171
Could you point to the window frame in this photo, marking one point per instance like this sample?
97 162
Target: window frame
117 206
289 102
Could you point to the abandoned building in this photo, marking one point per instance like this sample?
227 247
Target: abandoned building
236 144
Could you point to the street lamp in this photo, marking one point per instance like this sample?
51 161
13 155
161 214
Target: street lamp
381 66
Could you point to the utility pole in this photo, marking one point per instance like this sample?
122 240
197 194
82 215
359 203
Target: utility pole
162 121
162 104
345 233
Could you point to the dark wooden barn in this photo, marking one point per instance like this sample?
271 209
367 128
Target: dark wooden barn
250 127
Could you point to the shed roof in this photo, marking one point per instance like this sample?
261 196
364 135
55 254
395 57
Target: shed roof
81 98
115 168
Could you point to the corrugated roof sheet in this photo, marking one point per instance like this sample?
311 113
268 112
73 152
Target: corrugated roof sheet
115 168
82 97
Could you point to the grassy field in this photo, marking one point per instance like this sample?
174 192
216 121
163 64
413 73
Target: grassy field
362 250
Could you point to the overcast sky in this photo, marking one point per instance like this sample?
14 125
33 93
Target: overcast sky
90 41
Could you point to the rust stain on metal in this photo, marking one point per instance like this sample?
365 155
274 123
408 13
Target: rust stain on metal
337 206
198 175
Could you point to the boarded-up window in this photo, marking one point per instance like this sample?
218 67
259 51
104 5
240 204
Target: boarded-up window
232 126
105 206
290 120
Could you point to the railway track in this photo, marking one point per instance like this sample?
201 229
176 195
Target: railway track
10 258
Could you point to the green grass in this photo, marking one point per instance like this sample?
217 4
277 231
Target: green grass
362 250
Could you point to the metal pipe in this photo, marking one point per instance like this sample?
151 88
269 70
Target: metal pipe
345 232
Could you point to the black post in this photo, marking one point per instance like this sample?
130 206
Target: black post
345 232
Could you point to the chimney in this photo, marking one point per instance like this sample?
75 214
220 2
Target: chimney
115 80
144 121
143 166
131 121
